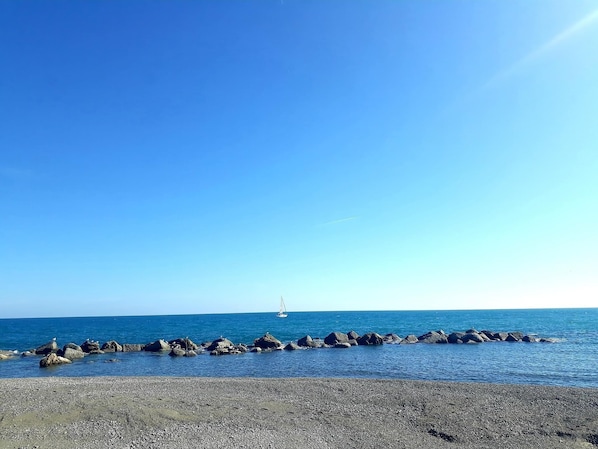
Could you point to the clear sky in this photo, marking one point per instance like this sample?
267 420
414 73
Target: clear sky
174 157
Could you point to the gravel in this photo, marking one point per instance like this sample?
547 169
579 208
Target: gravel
170 412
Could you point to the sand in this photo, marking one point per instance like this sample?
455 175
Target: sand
164 412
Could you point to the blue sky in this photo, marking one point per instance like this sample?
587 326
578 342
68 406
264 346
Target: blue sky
198 157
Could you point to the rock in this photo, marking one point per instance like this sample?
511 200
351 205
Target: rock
409 339
472 337
267 342
190 353
500 336
352 335
342 345
254 349
433 337
488 334
47 348
3 357
177 351
455 337
371 338
111 346
184 343
72 354
74 346
292 347
529 339
336 337
157 346
132 347
392 339
307 342
53 359
514 336
89 346
220 344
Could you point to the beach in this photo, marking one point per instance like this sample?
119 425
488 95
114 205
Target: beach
190 412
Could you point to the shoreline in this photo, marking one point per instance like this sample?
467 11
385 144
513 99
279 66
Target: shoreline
164 412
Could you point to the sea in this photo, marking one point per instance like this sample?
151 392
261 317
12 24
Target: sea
570 360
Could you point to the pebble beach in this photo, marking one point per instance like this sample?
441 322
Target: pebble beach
174 412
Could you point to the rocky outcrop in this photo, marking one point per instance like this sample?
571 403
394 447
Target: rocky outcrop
222 346
433 337
47 348
111 346
184 343
132 347
267 342
307 342
392 339
292 347
352 335
71 351
157 346
53 359
90 347
409 339
334 338
371 338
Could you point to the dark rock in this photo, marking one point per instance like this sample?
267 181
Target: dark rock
292 347
517 335
336 337
74 346
47 348
488 334
307 342
409 339
500 336
157 346
392 339
455 337
352 335
433 337
267 342
53 359
184 343
90 346
111 346
132 347
529 339
514 336
371 338
472 337
220 344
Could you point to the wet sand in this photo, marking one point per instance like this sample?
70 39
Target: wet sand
163 412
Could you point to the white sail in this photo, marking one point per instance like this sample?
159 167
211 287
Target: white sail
282 312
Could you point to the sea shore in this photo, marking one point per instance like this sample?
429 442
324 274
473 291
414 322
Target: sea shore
171 412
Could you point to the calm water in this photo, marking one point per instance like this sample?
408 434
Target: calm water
572 361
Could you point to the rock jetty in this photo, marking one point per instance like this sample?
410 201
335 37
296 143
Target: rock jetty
185 347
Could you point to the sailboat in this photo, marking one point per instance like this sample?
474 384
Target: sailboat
282 312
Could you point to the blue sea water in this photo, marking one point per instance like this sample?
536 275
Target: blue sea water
571 361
